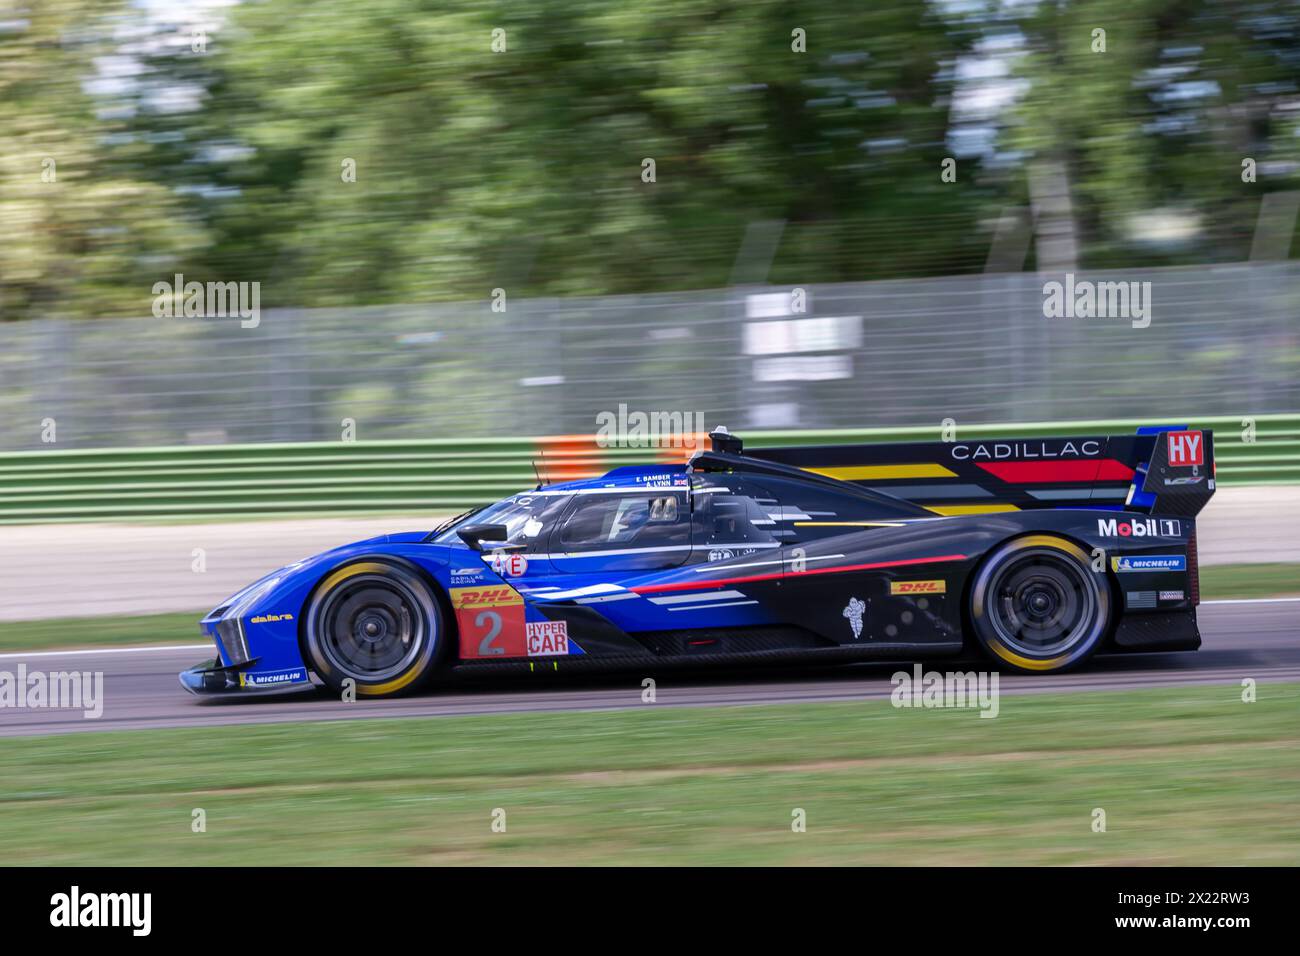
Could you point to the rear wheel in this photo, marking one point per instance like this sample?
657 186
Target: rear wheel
1036 604
377 623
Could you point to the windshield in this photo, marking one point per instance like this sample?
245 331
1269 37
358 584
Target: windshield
453 521
528 519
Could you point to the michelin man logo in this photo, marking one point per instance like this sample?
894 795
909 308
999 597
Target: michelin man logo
854 613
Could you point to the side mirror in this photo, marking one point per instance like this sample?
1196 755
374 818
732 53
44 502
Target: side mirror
476 534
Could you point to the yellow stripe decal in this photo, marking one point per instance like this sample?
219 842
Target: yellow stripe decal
883 472
970 509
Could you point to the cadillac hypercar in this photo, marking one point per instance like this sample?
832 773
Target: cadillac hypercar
1037 552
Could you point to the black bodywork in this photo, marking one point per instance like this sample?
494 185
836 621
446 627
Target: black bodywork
909 564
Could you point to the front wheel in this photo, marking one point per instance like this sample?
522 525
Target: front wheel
1037 606
376 623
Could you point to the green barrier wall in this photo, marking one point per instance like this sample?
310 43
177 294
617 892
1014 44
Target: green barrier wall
207 482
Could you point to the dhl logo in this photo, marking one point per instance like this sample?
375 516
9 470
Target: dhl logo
918 587
500 596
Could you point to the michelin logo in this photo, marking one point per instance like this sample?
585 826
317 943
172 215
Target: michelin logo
1152 562
271 678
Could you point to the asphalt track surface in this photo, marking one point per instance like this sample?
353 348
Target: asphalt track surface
1257 639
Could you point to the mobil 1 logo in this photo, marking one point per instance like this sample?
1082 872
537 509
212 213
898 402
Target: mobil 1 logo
1139 527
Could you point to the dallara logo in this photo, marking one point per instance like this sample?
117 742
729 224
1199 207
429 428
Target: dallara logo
918 587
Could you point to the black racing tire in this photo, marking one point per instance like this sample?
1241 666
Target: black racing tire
1036 605
377 622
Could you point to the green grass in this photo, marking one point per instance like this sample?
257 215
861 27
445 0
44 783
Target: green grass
101 631
1188 776
1250 581
1225 581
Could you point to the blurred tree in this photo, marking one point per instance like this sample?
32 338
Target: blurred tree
1149 120
81 236
521 166
349 153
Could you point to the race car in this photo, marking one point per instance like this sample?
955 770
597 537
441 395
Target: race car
1039 552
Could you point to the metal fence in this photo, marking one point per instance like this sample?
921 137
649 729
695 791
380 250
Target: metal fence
1221 340
439 476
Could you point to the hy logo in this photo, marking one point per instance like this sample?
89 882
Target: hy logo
1186 449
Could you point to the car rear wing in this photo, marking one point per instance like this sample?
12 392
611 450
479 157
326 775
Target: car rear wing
1160 469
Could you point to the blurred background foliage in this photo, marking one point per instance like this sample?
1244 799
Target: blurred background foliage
219 154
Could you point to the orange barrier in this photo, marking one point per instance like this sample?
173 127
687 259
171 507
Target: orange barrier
570 457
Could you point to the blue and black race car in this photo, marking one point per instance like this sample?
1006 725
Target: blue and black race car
1038 551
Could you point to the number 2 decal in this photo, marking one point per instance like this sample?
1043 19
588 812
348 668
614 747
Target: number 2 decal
491 622
485 648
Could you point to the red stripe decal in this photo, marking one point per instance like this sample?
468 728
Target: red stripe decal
718 582
1030 472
